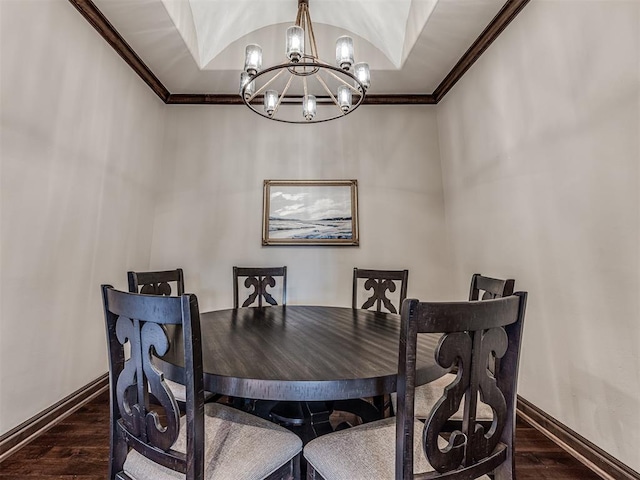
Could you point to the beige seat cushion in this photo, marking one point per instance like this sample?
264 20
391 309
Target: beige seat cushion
180 391
426 396
365 452
237 445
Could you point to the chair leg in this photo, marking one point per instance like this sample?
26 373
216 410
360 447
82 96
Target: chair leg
379 403
312 474
296 466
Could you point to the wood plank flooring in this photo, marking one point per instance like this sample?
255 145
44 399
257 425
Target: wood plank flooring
78 449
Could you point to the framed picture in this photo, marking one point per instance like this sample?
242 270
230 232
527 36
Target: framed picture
310 212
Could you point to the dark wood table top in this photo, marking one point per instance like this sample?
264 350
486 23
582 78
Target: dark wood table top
301 353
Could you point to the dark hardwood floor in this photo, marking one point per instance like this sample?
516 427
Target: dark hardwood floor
78 448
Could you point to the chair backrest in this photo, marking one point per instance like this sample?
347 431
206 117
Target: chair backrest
257 280
379 281
473 332
491 287
156 283
151 428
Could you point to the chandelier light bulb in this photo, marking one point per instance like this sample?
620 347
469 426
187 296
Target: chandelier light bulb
344 97
246 79
253 59
270 101
295 43
309 107
344 52
361 71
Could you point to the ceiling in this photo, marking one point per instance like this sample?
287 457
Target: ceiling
192 51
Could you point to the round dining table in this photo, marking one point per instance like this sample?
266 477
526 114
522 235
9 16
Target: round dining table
301 353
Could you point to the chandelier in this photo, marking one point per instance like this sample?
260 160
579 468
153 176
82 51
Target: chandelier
293 91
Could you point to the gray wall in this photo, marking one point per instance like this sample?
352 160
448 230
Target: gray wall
79 140
210 216
540 154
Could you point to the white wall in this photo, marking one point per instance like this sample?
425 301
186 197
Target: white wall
80 134
209 219
540 153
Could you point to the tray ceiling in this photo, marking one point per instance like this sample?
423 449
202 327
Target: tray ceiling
194 49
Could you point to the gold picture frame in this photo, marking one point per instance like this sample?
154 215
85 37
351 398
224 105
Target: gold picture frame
310 212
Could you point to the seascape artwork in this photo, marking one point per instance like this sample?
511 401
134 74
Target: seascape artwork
309 213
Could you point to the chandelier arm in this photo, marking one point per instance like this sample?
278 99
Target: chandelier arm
304 85
284 93
299 15
335 102
344 82
312 36
265 85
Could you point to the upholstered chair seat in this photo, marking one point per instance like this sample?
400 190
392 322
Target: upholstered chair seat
365 452
237 445
427 396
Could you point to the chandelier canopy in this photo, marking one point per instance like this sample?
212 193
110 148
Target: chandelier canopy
304 89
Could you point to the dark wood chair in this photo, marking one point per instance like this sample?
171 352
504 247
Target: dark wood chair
259 279
159 283
474 333
482 288
490 287
379 282
150 440
156 283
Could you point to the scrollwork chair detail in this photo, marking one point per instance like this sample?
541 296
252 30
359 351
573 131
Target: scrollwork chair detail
148 439
379 282
473 333
482 288
159 283
156 283
259 279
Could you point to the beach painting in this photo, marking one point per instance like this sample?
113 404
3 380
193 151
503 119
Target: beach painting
310 212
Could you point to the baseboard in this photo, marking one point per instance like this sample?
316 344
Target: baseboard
582 449
19 436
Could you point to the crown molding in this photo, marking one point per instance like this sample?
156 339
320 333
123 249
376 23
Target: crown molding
94 16
213 99
504 17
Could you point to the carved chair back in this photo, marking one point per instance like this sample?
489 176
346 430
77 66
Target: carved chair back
156 283
151 428
490 287
379 282
473 332
257 280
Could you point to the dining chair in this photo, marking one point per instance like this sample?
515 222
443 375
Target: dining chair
402 447
482 288
159 283
257 280
379 282
152 441
156 283
286 413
